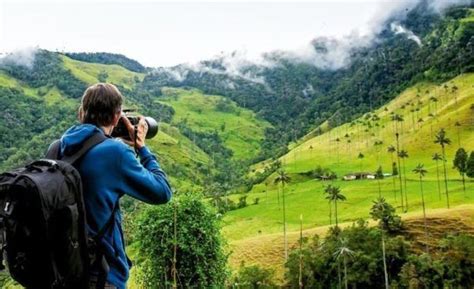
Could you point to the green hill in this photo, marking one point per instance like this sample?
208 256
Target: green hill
91 73
49 111
240 130
338 150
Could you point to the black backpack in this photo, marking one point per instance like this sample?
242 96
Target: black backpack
43 224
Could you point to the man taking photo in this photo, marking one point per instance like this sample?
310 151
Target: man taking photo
109 171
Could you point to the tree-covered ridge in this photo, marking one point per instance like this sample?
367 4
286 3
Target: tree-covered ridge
296 97
47 70
108 58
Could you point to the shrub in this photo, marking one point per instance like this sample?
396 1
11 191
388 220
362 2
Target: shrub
200 259
253 277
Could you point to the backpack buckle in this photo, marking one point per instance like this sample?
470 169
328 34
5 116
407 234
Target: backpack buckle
8 209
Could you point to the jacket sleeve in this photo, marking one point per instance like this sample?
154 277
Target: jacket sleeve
146 181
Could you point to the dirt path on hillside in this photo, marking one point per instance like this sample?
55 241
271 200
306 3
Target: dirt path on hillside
268 250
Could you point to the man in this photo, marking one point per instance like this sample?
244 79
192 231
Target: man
110 170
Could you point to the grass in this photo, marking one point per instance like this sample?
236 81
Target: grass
51 95
179 156
240 130
89 72
261 223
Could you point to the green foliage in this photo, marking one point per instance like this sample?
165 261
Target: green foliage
385 213
394 169
242 202
453 267
379 173
470 165
253 277
460 161
200 261
321 173
103 75
364 268
47 70
25 126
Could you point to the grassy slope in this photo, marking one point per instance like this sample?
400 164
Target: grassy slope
305 196
51 95
89 72
242 133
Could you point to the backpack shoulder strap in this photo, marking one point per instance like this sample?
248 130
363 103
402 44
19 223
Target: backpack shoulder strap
109 224
53 150
88 144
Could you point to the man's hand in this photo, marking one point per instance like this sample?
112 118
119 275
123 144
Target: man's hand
142 129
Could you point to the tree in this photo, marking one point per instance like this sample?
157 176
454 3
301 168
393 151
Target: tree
437 157
443 141
403 154
379 176
327 191
102 76
458 126
397 136
470 166
335 196
200 258
420 171
254 277
378 213
391 149
344 252
283 178
460 164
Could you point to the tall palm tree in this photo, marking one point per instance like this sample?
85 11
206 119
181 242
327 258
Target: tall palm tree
397 136
398 119
391 149
338 140
379 176
336 195
283 178
437 157
443 141
378 209
420 171
403 154
344 252
457 124
327 191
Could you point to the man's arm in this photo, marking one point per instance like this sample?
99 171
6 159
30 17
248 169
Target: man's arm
145 181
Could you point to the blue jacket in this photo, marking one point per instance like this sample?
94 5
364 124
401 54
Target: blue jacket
109 171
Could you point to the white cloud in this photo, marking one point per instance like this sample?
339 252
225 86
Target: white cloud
23 57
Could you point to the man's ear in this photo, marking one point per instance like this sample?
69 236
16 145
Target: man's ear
117 118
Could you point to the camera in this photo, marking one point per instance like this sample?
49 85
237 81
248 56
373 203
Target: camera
121 130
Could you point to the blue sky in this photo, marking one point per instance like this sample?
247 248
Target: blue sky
168 33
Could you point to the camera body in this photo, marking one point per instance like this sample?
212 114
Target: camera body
121 130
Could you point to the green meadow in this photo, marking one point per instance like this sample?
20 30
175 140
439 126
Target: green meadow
89 72
239 128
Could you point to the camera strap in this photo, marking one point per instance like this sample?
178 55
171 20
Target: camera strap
135 133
